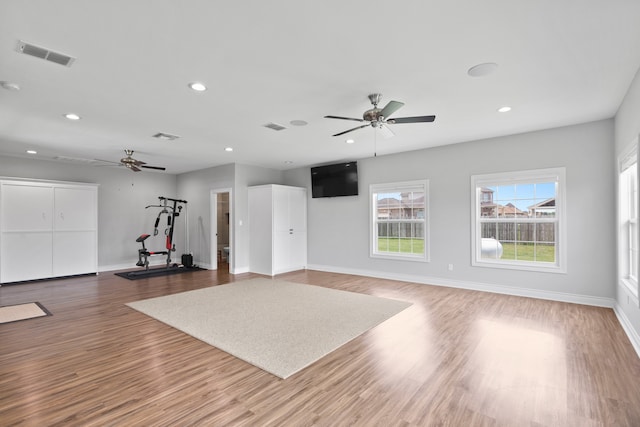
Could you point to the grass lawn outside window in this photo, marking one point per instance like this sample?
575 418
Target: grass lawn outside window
401 245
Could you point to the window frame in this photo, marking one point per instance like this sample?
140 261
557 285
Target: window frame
534 176
628 195
421 185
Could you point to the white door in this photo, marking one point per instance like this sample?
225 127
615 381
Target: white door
75 231
298 209
27 218
26 207
74 252
298 250
26 256
75 208
280 208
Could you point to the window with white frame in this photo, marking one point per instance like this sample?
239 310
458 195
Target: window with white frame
628 219
399 220
518 220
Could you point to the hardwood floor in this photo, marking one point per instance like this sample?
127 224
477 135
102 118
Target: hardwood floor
454 358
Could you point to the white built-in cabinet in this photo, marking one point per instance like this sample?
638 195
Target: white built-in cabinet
277 229
47 229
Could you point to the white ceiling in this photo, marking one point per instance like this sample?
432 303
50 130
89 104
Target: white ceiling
559 63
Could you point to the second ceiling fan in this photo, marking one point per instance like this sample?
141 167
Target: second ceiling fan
379 117
130 163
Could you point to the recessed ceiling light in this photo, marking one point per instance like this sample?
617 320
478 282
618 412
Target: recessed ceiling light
10 86
72 116
32 152
229 149
350 141
298 123
482 70
288 162
197 86
504 109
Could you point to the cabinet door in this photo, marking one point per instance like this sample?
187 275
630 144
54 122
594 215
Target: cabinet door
298 209
26 207
298 250
280 200
75 208
74 252
281 252
26 256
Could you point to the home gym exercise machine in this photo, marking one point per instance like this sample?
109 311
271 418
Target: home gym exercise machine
172 209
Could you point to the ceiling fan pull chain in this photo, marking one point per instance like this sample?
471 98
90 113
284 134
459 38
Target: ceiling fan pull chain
375 143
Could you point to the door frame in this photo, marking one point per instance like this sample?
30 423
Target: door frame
213 221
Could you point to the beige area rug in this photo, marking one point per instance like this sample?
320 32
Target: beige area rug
13 313
278 326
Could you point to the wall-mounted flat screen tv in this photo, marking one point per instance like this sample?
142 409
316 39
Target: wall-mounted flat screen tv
336 180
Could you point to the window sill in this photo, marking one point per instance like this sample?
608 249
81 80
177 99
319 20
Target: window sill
551 268
400 257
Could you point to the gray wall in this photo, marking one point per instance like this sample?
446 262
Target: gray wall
627 129
338 230
122 197
195 187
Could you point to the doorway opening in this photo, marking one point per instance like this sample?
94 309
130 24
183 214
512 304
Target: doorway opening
221 230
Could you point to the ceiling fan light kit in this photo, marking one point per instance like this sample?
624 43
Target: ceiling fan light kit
379 118
130 163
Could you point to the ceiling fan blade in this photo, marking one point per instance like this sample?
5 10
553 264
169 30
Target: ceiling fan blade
160 168
351 130
343 118
386 132
391 108
418 119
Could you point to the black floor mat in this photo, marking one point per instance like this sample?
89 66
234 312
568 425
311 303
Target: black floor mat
155 272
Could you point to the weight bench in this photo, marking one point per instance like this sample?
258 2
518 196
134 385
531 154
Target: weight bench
144 253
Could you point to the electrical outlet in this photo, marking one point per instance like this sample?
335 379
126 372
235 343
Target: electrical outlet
450 267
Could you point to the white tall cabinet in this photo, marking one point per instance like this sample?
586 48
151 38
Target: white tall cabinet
47 229
277 229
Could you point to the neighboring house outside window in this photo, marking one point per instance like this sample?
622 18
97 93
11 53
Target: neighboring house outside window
399 220
518 220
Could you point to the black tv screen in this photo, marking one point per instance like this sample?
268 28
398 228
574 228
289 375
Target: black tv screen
334 180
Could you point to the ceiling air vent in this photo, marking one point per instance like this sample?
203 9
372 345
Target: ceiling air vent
43 53
274 126
165 136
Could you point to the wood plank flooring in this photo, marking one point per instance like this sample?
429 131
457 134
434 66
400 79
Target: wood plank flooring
454 358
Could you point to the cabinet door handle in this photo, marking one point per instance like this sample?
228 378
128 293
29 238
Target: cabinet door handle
62 215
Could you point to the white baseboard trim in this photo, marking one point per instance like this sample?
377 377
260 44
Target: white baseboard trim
475 286
628 328
208 266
